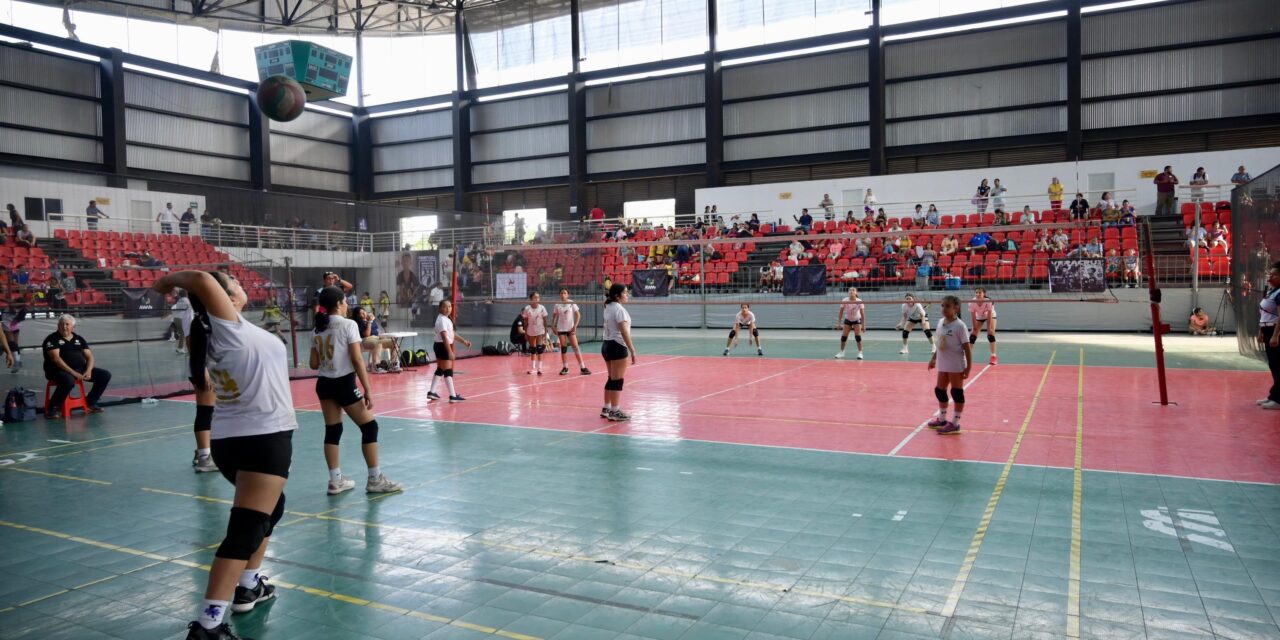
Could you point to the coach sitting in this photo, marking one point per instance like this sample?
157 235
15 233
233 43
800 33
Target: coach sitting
67 359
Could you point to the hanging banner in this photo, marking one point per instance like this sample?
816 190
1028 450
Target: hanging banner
143 303
510 285
804 280
651 283
1077 276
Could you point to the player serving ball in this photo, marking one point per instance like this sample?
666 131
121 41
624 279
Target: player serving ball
953 359
745 322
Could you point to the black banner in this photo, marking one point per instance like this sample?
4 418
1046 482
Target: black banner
804 280
652 283
1077 276
143 303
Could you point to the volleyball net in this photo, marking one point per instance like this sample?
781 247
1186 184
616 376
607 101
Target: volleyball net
1255 246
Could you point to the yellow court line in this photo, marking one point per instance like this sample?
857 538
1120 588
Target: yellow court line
105 446
1077 500
73 444
323 593
55 475
975 545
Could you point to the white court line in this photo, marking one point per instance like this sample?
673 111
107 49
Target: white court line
922 425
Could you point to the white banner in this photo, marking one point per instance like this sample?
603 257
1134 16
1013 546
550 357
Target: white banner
510 285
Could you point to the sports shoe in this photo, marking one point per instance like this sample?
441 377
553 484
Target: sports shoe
203 464
564 371
345 484
247 599
381 484
604 412
903 350
726 352
950 429
95 409
1263 401
938 422
1270 405
395 368
759 352
453 399
220 632
529 372
585 371
377 370
993 358
180 350
859 355
618 415
539 372
431 395
840 356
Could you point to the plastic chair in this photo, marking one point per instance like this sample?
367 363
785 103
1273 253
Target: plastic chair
70 403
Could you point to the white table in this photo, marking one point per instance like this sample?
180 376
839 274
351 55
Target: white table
397 337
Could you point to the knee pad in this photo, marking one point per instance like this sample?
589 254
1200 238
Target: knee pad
940 393
957 394
438 373
564 346
448 373
991 338
246 529
204 418
972 338
928 333
755 333
369 432
858 339
333 433
276 515
733 333
843 339
614 384
542 348
905 334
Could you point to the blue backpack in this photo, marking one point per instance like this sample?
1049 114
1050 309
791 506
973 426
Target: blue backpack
20 405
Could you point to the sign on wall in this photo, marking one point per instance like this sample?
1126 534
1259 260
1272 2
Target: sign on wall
510 285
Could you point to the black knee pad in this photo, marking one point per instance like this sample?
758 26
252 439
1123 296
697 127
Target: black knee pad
755 332
843 339
542 348
276 515
905 334
973 339
957 394
369 432
204 418
858 339
448 373
439 373
333 433
733 333
991 338
928 333
564 346
613 384
941 393
246 529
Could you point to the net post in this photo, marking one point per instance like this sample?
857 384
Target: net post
1158 328
293 324
702 281
453 287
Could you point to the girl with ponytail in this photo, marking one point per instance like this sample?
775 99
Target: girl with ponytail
617 350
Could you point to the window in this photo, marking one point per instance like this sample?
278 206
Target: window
899 11
622 32
520 40
416 231
656 212
743 23
532 218
385 80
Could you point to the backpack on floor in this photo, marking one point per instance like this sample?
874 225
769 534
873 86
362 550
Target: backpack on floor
406 358
420 357
20 405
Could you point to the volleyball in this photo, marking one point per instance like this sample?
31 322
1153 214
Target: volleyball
281 98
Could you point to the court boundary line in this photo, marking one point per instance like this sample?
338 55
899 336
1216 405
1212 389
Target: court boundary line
921 426
747 384
1077 504
72 444
60 476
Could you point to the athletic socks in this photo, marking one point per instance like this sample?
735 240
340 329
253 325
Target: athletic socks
335 475
956 419
204 452
448 380
249 578
211 612
941 414
433 383
375 472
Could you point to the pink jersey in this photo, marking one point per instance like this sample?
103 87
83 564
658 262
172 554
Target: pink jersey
852 311
982 310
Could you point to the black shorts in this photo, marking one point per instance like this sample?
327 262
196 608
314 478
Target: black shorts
850 323
341 390
442 352
269 453
566 334
614 351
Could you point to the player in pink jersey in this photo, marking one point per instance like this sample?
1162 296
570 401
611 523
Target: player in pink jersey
851 318
983 312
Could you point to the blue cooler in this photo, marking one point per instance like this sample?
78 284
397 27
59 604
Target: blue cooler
951 283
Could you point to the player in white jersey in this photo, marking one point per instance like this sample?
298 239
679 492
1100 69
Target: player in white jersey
535 330
954 360
618 351
745 321
445 355
913 314
337 354
252 438
851 318
565 319
983 312
176 325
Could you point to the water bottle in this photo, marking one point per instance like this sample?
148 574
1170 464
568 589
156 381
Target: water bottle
149 401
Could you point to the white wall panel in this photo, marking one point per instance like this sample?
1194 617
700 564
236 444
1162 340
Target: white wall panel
1181 69
317 125
989 125
828 70
793 144
415 180
179 97
672 156
187 163
974 91
35 109
1177 23
810 110
520 143
48 71
430 124
411 155
1245 101
551 107
649 94
665 126
308 179
184 133
520 170
1041 41
46 145
311 153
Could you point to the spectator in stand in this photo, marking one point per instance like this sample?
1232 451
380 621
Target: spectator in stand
796 250
519 230
1165 183
1127 218
1197 237
1055 195
15 219
932 218
68 359
1198 180
1002 218
167 218
1079 208
928 256
828 206
1093 248
1240 177
904 243
997 194
834 250
918 216
597 214
57 295
1115 265
869 200
805 220
1061 240
882 220
949 246
1217 236
1199 323
861 248
1029 216
149 261
978 242
69 282
24 237
1131 267
185 222
754 223
1042 243
91 215
981 195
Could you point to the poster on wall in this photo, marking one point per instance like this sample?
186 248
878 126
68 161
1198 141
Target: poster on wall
1077 276
650 283
510 285
415 273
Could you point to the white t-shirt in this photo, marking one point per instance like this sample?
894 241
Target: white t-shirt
436 296
913 311
332 344
852 311
951 339
745 318
535 322
249 369
444 329
982 310
167 215
566 315
614 315
182 311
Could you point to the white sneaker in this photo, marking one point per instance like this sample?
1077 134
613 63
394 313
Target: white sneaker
1270 405
903 350
345 484
859 355
381 484
1264 401
204 464
933 348
840 356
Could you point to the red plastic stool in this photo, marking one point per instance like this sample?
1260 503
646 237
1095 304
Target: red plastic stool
70 403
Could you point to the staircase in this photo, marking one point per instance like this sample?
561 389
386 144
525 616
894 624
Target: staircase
86 271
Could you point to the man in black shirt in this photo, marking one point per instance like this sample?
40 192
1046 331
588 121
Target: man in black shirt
68 358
